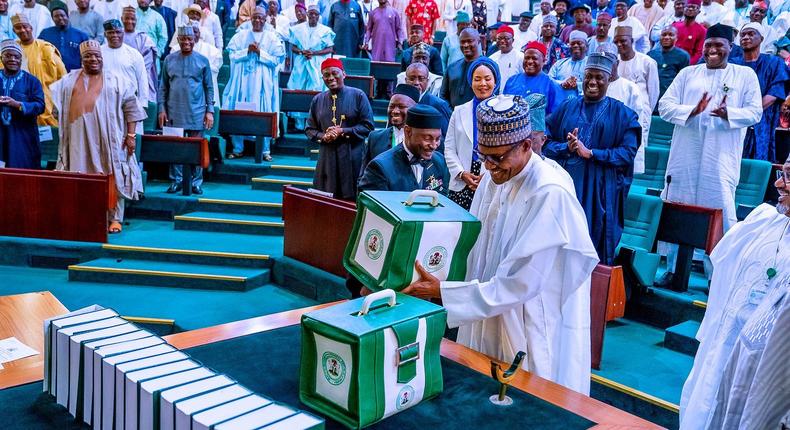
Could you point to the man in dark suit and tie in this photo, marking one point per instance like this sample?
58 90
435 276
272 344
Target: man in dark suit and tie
417 75
415 164
382 140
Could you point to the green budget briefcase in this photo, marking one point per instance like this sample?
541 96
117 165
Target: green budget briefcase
366 359
393 229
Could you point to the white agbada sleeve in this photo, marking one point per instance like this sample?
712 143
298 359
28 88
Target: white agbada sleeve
671 107
653 89
751 110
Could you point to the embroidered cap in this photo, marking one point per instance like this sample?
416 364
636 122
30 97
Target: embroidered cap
130 9
550 19
604 18
421 49
503 120
19 19
112 24
186 31
90 45
10 45
600 61
577 35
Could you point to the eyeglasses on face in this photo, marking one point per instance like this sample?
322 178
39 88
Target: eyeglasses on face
496 159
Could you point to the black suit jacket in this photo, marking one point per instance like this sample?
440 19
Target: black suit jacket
379 141
391 171
434 60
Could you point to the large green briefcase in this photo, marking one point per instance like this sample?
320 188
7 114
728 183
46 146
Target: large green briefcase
393 229
366 359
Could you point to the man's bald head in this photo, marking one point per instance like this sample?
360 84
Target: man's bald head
470 43
417 75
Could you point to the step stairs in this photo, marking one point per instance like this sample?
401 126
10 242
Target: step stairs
230 222
207 204
681 337
168 274
188 256
276 182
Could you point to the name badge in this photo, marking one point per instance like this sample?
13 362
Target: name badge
353 15
45 133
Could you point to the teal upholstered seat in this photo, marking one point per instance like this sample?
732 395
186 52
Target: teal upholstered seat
356 66
642 214
660 133
151 122
655 168
439 36
755 175
49 149
213 134
224 74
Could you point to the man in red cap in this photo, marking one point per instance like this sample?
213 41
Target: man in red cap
340 121
691 34
534 80
509 60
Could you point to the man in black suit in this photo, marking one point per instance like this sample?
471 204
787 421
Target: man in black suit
416 34
417 75
382 140
415 164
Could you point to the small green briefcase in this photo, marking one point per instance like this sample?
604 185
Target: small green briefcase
366 359
393 229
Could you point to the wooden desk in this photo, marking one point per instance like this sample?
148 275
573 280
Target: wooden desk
187 151
385 70
604 415
607 302
55 205
22 316
248 123
690 227
304 214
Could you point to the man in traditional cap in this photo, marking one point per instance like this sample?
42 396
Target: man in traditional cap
63 36
638 32
153 24
455 87
760 142
432 55
739 378
125 61
647 13
603 22
691 34
509 60
595 138
669 58
536 22
451 46
21 101
568 73
580 12
523 33
186 99
345 19
417 75
420 54
639 69
37 15
564 17
534 79
382 140
311 42
144 45
255 57
98 116
667 20
423 13
710 105
518 294
414 163
554 48
43 62
340 121
87 20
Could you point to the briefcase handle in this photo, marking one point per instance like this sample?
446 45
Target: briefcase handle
374 297
423 193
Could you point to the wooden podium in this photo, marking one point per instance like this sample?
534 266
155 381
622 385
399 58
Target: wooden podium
317 228
55 205
607 302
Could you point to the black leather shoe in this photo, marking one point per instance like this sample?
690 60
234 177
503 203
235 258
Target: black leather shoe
197 190
174 188
665 281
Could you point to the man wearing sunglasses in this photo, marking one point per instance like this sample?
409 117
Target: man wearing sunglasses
735 380
527 283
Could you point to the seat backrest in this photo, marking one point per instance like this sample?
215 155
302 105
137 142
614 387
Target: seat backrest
754 181
224 74
660 133
656 159
49 147
151 122
439 36
215 128
641 217
356 66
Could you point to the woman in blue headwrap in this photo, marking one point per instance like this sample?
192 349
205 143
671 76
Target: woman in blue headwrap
460 144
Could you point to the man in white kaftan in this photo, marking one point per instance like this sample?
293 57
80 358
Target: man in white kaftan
751 279
311 42
97 116
509 59
124 61
255 58
528 275
711 105
37 15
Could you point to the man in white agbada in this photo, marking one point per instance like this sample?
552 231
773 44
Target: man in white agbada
255 58
751 280
509 59
710 105
528 276
38 15
124 61
98 113
639 34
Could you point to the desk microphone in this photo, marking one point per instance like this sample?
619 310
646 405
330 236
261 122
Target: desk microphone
669 181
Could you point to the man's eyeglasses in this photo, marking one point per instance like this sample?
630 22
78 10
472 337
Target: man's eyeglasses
784 176
495 159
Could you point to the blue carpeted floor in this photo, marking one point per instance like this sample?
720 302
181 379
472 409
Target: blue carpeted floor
190 308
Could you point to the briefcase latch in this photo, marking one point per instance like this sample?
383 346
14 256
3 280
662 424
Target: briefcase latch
407 354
